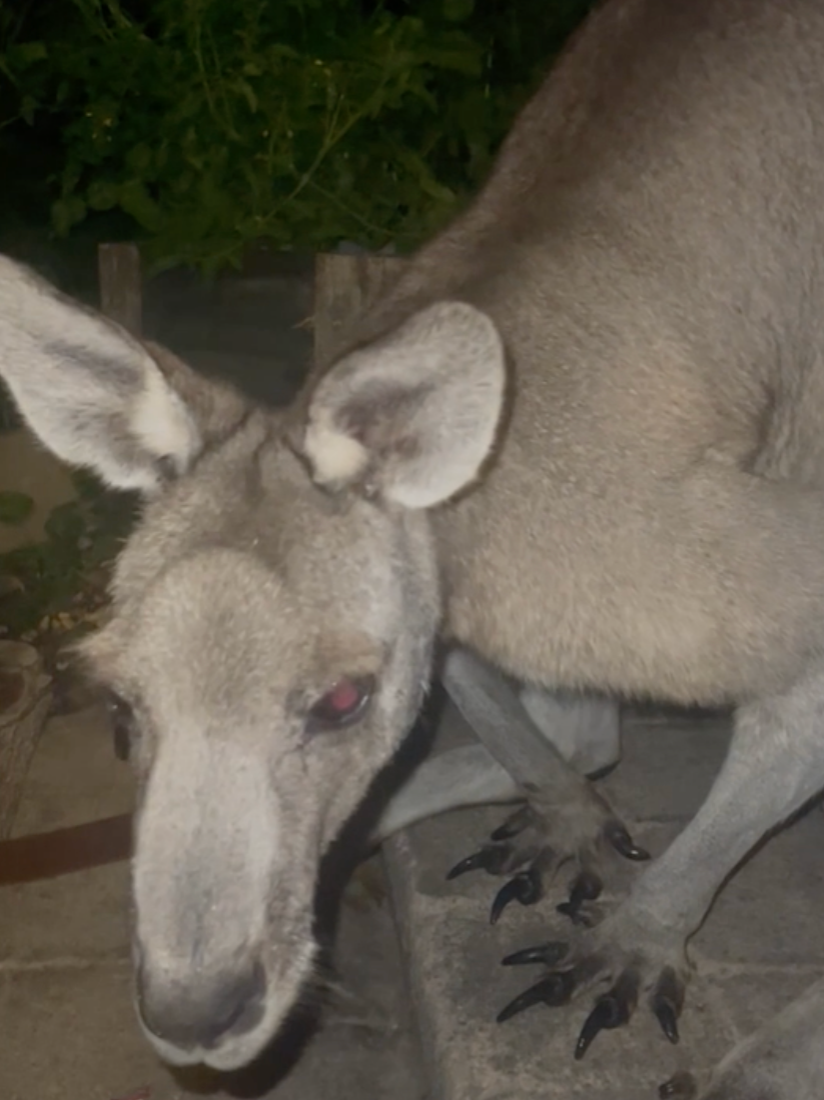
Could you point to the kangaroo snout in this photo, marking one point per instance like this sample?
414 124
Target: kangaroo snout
203 1010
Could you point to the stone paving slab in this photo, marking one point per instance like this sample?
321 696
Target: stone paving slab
67 1024
56 795
74 778
760 947
68 1031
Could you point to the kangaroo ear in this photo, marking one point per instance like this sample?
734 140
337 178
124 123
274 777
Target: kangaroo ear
96 396
414 414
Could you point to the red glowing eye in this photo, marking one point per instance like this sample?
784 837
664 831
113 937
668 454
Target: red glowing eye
343 705
343 697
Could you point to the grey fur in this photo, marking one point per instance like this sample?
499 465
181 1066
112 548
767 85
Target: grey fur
640 514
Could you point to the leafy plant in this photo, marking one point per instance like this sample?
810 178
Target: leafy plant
212 124
54 586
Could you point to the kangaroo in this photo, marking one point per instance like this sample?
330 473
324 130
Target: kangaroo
578 443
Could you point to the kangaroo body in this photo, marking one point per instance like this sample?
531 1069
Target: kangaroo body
578 441
643 251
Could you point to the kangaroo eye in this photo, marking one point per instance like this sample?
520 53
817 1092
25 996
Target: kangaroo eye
345 703
121 716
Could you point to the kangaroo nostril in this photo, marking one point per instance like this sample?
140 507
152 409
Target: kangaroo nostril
202 1012
239 1006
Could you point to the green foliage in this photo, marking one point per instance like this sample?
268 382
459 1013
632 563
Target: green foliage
15 507
212 124
51 584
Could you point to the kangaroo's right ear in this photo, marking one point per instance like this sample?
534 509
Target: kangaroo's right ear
415 414
96 396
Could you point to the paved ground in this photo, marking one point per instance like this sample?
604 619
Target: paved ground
66 1017
760 947
65 1009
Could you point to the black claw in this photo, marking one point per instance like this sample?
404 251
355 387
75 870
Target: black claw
667 1002
612 1010
486 859
525 887
680 1087
586 887
604 1015
554 991
623 843
549 954
472 863
667 1019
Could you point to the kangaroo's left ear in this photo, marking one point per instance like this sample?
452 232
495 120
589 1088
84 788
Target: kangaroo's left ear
415 413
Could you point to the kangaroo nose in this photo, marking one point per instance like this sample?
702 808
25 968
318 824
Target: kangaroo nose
203 1011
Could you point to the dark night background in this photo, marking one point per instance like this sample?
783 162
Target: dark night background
193 127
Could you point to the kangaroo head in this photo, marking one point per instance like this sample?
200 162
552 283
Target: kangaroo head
273 617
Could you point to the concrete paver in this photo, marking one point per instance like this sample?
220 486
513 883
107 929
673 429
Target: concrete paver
758 949
71 1031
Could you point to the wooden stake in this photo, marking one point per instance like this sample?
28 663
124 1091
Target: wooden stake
121 285
344 286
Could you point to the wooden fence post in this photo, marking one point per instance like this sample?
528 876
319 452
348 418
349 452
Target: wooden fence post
121 285
344 285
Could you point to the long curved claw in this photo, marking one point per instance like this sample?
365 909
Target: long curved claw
668 1020
554 991
549 954
680 1087
623 843
667 1002
475 862
485 859
586 887
613 1009
525 887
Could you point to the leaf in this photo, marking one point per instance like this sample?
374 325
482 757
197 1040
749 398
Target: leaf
15 507
66 213
136 200
20 612
102 195
139 158
65 523
456 11
86 485
26 53
28 105
246 90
